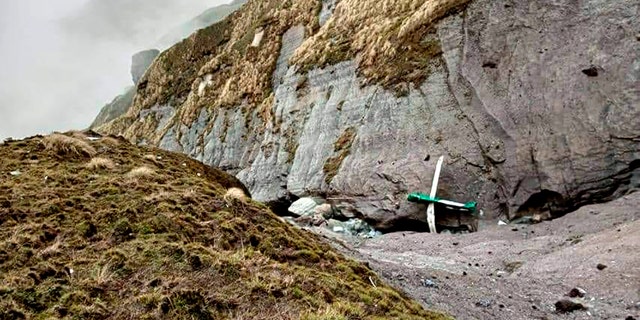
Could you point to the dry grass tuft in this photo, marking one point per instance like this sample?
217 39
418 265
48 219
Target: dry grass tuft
390 37
99 163
110 141
235 193
190 195
64 145
150 157
102 275
141 172
77 134
53 249
158 196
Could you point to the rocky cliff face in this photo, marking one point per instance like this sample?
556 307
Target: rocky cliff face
141 61
534 104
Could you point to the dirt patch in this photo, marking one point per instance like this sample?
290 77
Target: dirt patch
341 149
520 271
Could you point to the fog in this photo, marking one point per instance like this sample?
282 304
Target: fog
62 60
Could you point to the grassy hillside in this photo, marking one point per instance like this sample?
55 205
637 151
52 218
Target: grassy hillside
394 42
104 229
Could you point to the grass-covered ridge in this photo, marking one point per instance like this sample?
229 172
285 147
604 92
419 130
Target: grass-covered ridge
393 42
216 67
104 229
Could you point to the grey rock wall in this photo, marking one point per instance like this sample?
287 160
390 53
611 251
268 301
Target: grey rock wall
534 104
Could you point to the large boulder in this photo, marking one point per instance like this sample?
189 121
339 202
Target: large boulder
303 207
533 104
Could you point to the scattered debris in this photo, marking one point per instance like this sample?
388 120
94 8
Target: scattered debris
447 206
313 220
577 292
483 303
502 223
429 283
490 65
566 306
601 266
512 266
591 71
372 283
575 239
257 38
523 220
338 229
324 210
15 173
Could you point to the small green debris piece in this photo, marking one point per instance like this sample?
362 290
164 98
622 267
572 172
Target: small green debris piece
424 198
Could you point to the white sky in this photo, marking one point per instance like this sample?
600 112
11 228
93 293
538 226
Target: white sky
62 60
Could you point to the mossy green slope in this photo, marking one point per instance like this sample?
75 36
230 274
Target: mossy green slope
104 229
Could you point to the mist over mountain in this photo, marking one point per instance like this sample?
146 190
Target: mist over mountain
62 60
137 23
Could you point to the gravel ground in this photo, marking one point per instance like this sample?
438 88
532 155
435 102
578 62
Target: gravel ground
519 271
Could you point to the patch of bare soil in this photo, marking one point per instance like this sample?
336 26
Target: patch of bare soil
520 271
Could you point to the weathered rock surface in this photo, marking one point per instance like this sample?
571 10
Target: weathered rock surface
303 207
524 128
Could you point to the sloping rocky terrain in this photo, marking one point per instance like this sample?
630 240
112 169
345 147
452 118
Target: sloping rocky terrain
93 227
519 271
143 59
534 104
